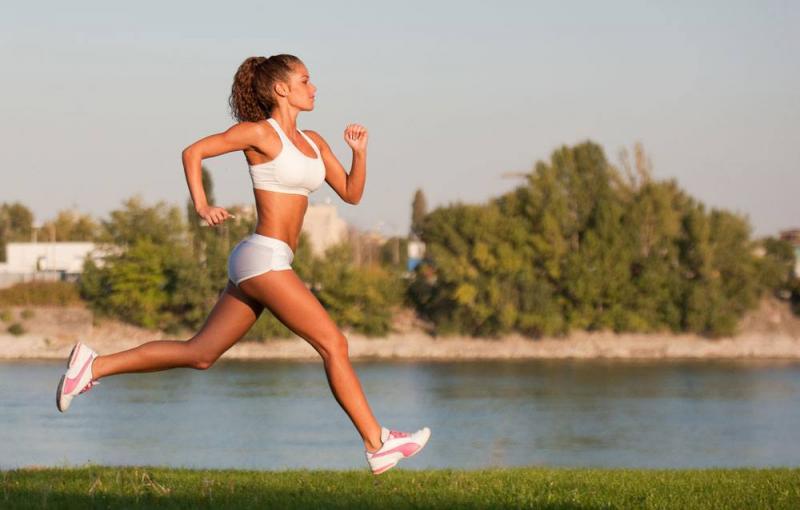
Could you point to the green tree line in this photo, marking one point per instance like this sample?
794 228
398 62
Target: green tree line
581 244
171 268
585 245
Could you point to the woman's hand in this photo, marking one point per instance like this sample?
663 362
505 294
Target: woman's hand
214 215
356 137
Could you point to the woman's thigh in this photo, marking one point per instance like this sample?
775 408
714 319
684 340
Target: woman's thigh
232 316
285 295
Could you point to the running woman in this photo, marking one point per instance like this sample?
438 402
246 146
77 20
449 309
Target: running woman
286 164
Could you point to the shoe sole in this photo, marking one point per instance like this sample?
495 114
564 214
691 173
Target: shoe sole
58 393
71 357
385 468
70 360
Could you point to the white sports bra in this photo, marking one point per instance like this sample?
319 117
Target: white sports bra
290 171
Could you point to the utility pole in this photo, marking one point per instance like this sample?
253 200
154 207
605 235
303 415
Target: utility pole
513 175
35 231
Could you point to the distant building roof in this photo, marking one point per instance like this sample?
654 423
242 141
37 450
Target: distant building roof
791 235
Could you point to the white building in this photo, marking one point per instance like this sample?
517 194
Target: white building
793 236
416 252
43 261
323 226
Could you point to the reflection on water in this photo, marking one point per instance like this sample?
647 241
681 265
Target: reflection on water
276 415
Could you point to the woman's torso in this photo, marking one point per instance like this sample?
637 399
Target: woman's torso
281 184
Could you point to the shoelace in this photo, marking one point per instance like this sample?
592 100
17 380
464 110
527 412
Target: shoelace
392 433
89 385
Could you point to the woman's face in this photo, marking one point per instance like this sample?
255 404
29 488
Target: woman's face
302 91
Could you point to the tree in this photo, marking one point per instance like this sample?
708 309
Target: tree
582 245
653 219
161 223
212 245
483 267
70 225
394 252
776 267
363 298
151 279
16 224
419 208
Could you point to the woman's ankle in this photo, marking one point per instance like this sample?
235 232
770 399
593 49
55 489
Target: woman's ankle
92 370
373 443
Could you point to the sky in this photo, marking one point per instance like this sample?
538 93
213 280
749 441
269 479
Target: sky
100 98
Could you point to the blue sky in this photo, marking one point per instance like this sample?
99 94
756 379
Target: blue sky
99 99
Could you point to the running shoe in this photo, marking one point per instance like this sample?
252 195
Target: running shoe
396 445
78 377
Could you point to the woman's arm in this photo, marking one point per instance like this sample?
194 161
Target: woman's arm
238 137
350 187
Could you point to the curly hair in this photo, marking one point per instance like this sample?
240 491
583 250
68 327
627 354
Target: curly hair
251 94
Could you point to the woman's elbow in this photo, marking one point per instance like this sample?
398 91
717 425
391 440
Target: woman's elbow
191 154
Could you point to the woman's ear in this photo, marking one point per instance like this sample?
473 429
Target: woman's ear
281 89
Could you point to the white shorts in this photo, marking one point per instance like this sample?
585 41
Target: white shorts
257 254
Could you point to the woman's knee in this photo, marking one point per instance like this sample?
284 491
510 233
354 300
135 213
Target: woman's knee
198 358
335 346
202 363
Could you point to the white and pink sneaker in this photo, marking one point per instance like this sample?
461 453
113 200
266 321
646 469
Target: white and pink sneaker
78 377
396 445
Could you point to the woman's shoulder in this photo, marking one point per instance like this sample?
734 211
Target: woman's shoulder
253 130
254 135
316 137
260 126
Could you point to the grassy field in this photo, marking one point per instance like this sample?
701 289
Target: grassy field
154 487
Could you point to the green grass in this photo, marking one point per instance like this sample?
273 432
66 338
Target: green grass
93 486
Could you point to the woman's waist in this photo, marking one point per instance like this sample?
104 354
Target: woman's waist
288 236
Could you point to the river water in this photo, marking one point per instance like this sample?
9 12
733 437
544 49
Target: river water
278 414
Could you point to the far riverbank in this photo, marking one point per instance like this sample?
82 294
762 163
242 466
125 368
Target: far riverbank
419 346
771 332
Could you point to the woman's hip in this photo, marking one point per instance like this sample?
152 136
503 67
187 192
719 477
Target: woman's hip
258 254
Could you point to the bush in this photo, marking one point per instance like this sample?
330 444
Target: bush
267 327
150 285
130 286
40 294
27 313
16 329
165 272
794 295
361 298
5 315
